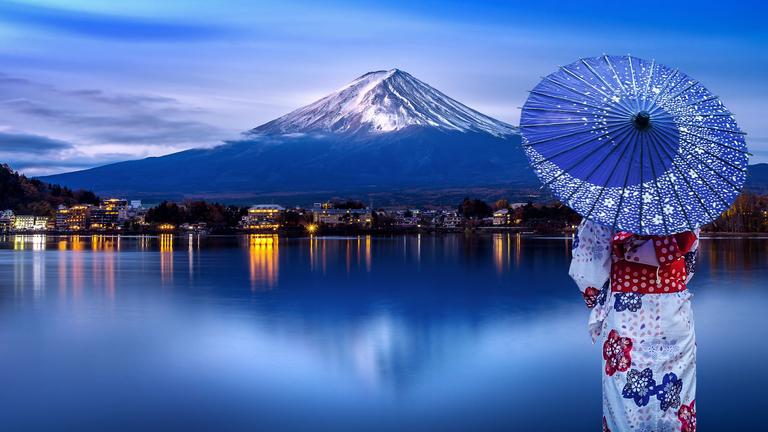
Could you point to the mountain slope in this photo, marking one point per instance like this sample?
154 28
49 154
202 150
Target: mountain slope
385 134
380 102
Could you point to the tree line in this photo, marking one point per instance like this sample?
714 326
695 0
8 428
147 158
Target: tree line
31 196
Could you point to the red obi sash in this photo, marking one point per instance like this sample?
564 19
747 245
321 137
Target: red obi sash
628 274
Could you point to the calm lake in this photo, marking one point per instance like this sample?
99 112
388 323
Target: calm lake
259 333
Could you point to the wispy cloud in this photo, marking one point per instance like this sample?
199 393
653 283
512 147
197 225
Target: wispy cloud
26 143
93 126
97 25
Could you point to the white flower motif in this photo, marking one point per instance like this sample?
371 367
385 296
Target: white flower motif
668 209
647 197
609 202
657 219
672 177
615 99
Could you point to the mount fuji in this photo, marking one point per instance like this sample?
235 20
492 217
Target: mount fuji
386 136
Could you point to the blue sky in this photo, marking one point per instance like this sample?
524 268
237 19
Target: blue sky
85 82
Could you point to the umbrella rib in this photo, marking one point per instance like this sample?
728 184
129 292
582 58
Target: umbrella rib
663 146
713 128
583 113
720 114
674 187
624 188
594 72
658 190
693 191
530 144
575 75
562 98
605 185
706 99
714 170
600 77
716 142
598 165
663 95
664 87
702 177
727 162
566 150
615 74
582 122
632 74
571 73
688 87
672 122
569 88
648 84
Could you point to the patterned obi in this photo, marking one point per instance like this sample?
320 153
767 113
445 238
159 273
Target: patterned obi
651 264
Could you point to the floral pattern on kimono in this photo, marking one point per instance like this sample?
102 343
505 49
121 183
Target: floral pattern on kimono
648 340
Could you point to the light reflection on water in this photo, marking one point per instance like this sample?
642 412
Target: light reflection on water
378 333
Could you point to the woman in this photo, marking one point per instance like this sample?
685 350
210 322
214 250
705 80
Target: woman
641 312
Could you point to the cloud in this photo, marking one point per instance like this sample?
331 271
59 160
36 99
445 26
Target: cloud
96 116
136 127
26 143
106 26
93 126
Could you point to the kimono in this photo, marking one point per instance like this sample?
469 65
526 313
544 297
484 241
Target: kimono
636 288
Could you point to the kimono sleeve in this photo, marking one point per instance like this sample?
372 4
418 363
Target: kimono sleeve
591 260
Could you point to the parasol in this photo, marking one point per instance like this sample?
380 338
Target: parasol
634 145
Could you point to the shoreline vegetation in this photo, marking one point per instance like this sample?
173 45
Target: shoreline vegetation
21 197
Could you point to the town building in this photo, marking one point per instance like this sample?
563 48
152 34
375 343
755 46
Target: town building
75 218
262 217
6 220
327 214
451 219
30 223
502 217
118 208
102 219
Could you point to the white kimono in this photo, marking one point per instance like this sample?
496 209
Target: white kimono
649 346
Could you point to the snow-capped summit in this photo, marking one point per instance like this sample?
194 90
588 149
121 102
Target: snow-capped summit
380 102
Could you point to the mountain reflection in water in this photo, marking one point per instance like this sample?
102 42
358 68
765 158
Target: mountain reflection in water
448 332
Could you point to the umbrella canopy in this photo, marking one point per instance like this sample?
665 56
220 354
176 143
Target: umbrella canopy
634 145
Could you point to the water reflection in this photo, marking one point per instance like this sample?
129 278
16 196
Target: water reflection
410 331
263 260
166 257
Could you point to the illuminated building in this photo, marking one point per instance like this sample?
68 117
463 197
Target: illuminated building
166 227
327 214
262 217
104 219
118 206
30 223
451 220
6 220
501 217
74 218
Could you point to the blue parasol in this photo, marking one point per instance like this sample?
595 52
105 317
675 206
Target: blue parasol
634 145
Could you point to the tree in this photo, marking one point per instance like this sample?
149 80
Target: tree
474 208
166 212
501 204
